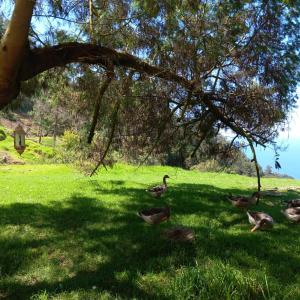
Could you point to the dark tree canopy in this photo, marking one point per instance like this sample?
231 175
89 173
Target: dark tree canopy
196 65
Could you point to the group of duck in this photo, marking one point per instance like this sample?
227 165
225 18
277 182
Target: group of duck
157 215
260 220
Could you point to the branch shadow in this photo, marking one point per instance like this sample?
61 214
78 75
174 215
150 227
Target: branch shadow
122 248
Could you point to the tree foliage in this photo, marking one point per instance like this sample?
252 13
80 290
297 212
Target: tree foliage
200 66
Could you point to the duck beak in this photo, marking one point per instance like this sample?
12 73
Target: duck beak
255 228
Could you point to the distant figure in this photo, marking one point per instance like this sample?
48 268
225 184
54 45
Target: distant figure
158 190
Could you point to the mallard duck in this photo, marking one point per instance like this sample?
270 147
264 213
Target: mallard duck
179 234
292 213
155 215
261 220
158 190
293 203
242 201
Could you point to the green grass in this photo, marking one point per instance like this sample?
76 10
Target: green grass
67 236
34 153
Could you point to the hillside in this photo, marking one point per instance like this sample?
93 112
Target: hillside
67 236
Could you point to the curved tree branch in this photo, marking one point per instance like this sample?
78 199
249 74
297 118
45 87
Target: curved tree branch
41 59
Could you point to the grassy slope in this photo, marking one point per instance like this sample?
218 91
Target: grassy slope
67 236
34 152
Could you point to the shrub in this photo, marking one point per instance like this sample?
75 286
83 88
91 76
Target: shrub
2 135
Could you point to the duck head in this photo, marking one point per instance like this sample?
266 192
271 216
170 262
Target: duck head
165 177
261 225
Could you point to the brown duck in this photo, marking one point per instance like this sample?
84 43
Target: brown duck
179 234
155 215
260 220
158 190
242 201
292 214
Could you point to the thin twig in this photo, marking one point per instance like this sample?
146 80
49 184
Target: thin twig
112 132
114 122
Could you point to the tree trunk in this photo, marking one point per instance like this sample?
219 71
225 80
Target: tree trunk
13 48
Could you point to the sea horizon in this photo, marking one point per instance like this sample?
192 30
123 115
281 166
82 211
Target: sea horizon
288 157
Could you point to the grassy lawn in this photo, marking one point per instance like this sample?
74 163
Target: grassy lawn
67 236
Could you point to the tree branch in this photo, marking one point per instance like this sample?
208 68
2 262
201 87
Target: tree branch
103 88
126 90
112 133
42 59
208 123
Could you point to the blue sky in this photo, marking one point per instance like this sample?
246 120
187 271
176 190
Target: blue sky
289 139
289 159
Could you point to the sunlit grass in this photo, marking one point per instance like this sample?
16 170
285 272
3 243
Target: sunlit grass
67 236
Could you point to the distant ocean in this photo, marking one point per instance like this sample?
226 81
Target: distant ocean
288 159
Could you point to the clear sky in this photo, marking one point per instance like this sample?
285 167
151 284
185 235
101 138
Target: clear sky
290 158
294 127
290 140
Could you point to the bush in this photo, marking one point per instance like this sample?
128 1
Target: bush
70 140
210 165
2 135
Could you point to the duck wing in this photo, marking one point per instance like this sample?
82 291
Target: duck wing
156 189
155 215
293 211
152 211
293 214
258 216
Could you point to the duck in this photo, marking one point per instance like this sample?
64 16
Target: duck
244 202
260 220
292 214
158 190
293 203
155 215
179 234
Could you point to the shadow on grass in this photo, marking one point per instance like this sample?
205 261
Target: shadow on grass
89 243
